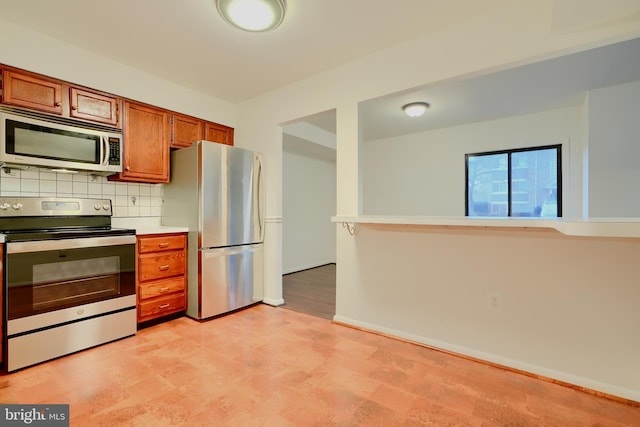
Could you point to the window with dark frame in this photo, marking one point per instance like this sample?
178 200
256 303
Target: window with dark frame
523 182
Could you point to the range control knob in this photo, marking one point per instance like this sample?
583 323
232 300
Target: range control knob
4 206
106 206
97 206
17 206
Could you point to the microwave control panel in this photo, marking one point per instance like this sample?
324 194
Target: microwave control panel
114 151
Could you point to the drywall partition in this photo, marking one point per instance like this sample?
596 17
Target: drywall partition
309 202
423 174
614 151
554 305
377 286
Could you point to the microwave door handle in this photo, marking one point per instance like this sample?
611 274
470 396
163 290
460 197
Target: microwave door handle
105 150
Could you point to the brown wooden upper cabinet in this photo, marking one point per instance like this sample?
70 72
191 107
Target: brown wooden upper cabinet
218 133
146 134
185 130
29 90
94 106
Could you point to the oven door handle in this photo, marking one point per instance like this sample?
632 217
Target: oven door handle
54 245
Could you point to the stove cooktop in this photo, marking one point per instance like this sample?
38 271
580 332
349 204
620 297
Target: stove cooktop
57 234
52 218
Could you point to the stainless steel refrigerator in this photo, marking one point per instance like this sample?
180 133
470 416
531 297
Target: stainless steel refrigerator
216 191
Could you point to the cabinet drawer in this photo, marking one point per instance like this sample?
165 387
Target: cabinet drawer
161 287
161 306
159 266
160 243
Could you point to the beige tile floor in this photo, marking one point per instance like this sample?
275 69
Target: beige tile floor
266 366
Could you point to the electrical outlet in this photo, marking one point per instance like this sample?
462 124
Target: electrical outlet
495 301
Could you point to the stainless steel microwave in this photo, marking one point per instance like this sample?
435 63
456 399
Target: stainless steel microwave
58 144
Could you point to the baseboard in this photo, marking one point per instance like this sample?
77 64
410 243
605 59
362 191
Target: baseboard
608 391
273 302
305 267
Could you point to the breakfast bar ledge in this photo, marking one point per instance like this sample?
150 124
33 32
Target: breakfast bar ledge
588 227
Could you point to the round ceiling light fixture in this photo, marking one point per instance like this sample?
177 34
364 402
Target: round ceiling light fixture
415 109
252 15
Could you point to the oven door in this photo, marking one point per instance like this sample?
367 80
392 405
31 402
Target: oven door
50 275
67 295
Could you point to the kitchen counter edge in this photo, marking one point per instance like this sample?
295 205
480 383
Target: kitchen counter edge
591 227
160 230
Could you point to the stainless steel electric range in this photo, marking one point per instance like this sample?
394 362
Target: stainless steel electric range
69 278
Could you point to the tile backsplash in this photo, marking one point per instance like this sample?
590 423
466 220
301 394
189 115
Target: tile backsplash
128 199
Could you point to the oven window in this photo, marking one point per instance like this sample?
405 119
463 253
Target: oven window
60 283
40 282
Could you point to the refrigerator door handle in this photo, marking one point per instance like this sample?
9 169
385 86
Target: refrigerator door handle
233 250
260 213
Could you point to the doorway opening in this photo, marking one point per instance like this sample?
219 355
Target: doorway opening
308 203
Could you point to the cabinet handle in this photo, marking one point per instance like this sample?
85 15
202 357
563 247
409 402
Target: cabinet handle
74 108
163 245
127 168
162 290
163 268
163 306
56 104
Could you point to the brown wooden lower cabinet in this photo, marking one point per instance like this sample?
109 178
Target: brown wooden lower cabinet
161 275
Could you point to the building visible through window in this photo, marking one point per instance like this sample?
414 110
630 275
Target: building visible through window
519 182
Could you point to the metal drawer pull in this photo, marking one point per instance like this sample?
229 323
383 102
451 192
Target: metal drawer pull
163 245
163 268
163 306
167 289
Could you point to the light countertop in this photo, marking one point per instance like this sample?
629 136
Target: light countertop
160 230
594 227
151 225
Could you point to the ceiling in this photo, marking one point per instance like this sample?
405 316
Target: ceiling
187 42
545 85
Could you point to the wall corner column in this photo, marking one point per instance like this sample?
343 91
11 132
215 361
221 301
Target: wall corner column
348 176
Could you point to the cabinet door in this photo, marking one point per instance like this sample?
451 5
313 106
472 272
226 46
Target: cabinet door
146 143
186 130
94 106
218 133
31 92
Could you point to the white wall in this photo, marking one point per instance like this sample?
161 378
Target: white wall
309 202
382 273
568 305
614 151
423 174
23 48
27 49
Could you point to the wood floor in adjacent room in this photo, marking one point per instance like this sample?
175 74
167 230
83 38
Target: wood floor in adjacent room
311 291
267 366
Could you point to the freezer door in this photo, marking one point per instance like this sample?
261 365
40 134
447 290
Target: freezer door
230 278
231 196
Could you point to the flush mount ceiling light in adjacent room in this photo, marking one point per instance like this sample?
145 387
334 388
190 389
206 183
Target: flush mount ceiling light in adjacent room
252 15
415 109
